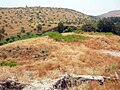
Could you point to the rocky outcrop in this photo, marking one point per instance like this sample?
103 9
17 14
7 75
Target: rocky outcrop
65 82
42 55
11 84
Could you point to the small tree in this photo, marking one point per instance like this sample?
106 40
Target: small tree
39 28
2 30
60 27
2 33
22 30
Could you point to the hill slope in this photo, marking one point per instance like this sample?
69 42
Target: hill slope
12 19
115 13
44 57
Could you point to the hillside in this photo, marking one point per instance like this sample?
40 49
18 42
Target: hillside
44 58
115 13
13 19
38 59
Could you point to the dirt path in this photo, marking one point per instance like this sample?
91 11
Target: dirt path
110 52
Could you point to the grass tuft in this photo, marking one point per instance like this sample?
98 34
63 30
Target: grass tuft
10 64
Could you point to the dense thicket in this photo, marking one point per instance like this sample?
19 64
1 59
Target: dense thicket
104 25
109 25
115 19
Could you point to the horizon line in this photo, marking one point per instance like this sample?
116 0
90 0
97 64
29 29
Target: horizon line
15 7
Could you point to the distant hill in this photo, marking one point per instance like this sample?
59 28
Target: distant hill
12 19
115 13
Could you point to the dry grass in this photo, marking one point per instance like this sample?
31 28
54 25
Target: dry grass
76 57
12 19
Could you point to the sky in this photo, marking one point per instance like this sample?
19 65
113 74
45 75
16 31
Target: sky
90 7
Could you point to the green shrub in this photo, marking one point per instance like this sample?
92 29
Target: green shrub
10 63
18 37
55 35
73 38
114 67
39 28
69 38
69 29
2 43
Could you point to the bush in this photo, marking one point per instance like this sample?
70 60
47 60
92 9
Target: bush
2 30
55 35
2 43
22 30
73 38
39 28
49 25
69 38
18 37
2 33
69 29
10 64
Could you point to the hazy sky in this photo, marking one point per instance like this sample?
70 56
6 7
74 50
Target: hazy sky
91 7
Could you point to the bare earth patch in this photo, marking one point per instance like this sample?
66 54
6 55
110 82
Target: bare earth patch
110 52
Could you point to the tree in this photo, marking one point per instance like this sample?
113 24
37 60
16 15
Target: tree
117 29
22 30
2 30
2 33
60 27
115 19
39 28
88 28
106 25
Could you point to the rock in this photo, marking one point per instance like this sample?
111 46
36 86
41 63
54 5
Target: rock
11 84
42 55
36 56
38 85
43 51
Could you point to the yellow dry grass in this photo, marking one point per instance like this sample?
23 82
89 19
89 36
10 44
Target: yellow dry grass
76 57
12 19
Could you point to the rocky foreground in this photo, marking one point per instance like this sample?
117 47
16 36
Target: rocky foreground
65 82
